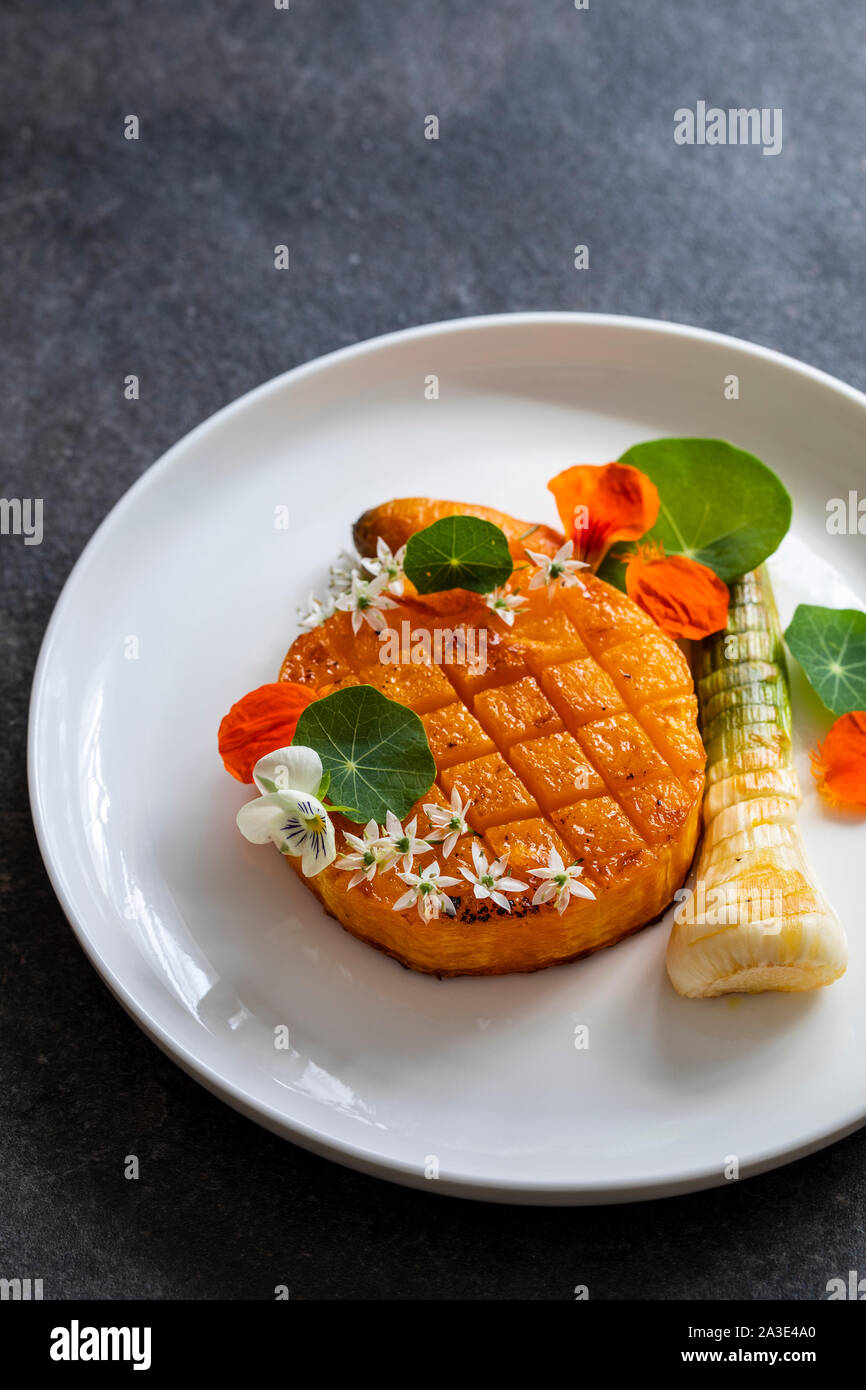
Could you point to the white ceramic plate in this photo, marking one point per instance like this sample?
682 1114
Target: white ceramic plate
185 598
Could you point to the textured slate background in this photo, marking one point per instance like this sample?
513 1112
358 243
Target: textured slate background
156 257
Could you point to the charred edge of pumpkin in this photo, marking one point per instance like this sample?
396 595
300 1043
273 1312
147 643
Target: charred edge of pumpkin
363 533
382 518
509 970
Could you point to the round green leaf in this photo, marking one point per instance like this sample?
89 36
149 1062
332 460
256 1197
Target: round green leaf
830 645
458 552
374 749
719 505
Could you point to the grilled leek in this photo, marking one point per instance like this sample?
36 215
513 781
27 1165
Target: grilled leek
757 919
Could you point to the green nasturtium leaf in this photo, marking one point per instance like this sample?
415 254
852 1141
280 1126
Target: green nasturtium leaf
719 505
375 750
830 645
458 552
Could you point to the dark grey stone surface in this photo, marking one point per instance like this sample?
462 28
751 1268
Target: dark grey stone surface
155 257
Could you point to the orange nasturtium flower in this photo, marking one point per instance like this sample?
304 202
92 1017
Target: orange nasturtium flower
599 505
839 763
259 723
684 597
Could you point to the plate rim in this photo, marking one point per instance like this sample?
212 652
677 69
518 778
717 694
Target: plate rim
193 1061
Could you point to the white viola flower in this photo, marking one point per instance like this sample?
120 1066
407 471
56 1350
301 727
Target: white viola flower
297 768
316 613
344 569
369 855
560 883
383 562
451 820
490 880
365 601
426 893
402 843
556 568
503 604
289 811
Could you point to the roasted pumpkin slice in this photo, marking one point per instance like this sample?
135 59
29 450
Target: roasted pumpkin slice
577 734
